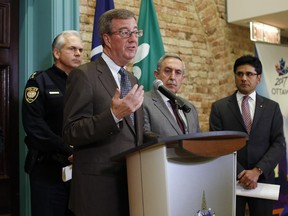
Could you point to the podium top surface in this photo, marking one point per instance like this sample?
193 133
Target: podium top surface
205 144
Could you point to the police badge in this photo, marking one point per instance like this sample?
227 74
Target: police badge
31 94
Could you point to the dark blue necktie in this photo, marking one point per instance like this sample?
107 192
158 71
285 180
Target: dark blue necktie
125 86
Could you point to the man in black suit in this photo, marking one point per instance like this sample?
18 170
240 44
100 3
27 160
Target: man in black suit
100 122
266 144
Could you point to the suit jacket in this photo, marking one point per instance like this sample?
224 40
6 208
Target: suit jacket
266 142
158 118
98 183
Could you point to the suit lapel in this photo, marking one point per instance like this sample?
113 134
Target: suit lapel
259 108
162 107
234 107
189 123
106 77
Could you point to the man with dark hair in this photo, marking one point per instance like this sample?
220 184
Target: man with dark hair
261 119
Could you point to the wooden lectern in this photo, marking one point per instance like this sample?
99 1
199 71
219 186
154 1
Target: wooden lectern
168 176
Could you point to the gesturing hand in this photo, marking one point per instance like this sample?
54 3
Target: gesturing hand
122 107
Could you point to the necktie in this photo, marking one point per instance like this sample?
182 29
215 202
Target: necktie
125 86
246 113
177 115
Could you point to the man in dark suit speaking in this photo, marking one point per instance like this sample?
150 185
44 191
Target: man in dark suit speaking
103 117
262 120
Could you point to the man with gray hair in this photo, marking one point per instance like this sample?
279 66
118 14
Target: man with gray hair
42 117
162 115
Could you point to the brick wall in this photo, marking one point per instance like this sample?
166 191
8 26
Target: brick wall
197 31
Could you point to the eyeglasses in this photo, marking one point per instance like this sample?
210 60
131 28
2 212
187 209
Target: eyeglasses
125 33
247 74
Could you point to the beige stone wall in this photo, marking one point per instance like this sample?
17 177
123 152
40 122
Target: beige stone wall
197 31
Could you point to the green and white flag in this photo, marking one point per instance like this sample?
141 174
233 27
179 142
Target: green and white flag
150 45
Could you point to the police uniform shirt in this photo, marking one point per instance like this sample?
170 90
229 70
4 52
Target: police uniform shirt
42 110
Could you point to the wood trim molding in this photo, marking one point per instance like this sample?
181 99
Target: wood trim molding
4 25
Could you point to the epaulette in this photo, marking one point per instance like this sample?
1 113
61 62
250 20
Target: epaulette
34 74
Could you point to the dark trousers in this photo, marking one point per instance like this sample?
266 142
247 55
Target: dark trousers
49 194
100 195
257 207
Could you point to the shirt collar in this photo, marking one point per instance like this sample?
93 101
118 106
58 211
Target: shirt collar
240 96
58 71
114 68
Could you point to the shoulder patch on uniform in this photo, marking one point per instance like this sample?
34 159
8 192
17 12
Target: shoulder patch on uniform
31 94
34 74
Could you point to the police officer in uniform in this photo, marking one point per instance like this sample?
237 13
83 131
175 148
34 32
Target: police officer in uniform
42 116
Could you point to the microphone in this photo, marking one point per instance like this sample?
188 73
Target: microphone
158 85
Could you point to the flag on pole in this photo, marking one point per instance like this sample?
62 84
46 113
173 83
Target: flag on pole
101 7
150 45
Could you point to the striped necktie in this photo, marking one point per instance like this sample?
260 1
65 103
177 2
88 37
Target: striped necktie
246 113
125 86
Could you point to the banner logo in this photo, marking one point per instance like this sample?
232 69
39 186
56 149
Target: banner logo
280 68
281 81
